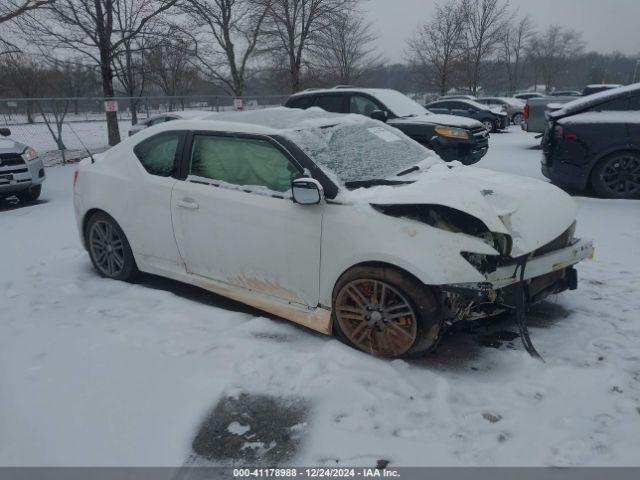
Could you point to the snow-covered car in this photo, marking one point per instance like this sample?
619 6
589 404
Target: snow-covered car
336 222
166 117
513 107
21 171
493 118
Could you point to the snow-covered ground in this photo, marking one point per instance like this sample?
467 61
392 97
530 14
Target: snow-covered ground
98 372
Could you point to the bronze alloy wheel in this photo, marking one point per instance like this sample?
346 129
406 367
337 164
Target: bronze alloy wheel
376 318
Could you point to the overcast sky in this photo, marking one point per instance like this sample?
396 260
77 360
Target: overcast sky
606 25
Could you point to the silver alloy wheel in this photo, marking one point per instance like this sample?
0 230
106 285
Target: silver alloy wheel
518 118
376 317
107 248
488 124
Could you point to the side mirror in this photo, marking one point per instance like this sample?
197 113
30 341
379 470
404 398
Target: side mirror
307 191
380 115
5 132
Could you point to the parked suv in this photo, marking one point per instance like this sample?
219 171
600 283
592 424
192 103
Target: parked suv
21 171
493 119
452 138
596 141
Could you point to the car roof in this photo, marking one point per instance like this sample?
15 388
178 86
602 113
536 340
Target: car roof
266 121
591 100
340 89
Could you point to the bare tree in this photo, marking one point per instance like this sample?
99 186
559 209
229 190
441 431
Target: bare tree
26 76
294 24
232 29
553 50
512 49
10 9
485 26
437 45
170 65
344 50
87 27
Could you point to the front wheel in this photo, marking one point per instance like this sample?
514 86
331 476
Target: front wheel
386 312
617 176
29 195
517 118
489 125
109 249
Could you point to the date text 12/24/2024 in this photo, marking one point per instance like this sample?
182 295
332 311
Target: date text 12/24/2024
314 473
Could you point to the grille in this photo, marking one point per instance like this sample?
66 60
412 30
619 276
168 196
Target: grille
10 159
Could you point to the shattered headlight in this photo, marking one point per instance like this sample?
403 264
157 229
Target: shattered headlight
29 154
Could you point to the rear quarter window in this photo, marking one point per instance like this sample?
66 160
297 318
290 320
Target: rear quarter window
615 105
160 154
302 102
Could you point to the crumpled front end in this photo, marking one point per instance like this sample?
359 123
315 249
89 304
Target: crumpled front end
528 224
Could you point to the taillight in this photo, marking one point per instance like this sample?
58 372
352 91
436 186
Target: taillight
526 111
557 131
75 177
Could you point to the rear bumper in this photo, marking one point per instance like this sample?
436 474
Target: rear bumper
564 173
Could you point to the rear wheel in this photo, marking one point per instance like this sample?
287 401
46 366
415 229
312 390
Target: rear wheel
489 125
109 249
617 176
29 195
385 312
517 118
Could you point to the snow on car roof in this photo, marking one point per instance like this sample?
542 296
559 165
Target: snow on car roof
602 117
595 99
283 118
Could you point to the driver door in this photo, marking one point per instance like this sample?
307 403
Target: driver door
235 222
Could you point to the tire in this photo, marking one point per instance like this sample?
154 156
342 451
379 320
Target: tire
386 312
517 118
109 248
29 195
489 125
617 175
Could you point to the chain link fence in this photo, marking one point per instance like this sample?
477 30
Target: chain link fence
58 127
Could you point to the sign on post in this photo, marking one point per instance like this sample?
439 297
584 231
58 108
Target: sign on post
237 103
110 106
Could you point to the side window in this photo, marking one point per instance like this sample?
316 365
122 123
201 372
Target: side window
634 103
330 103
156 121
615 105
303 102
241 161
362 105
160 154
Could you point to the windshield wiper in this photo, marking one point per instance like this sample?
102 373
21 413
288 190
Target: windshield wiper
374 182
415 168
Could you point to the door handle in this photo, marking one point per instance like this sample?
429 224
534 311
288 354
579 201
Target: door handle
188 203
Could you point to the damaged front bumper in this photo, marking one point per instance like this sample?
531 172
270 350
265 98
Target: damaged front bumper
545 274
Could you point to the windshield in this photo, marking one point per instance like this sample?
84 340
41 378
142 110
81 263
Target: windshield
399 104
361 151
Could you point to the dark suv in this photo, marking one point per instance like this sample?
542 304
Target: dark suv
452 138
596 141
493 119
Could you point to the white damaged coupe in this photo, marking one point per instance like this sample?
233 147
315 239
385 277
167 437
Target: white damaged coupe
336 222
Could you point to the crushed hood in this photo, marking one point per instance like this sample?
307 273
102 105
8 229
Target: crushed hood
531 211
439 119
